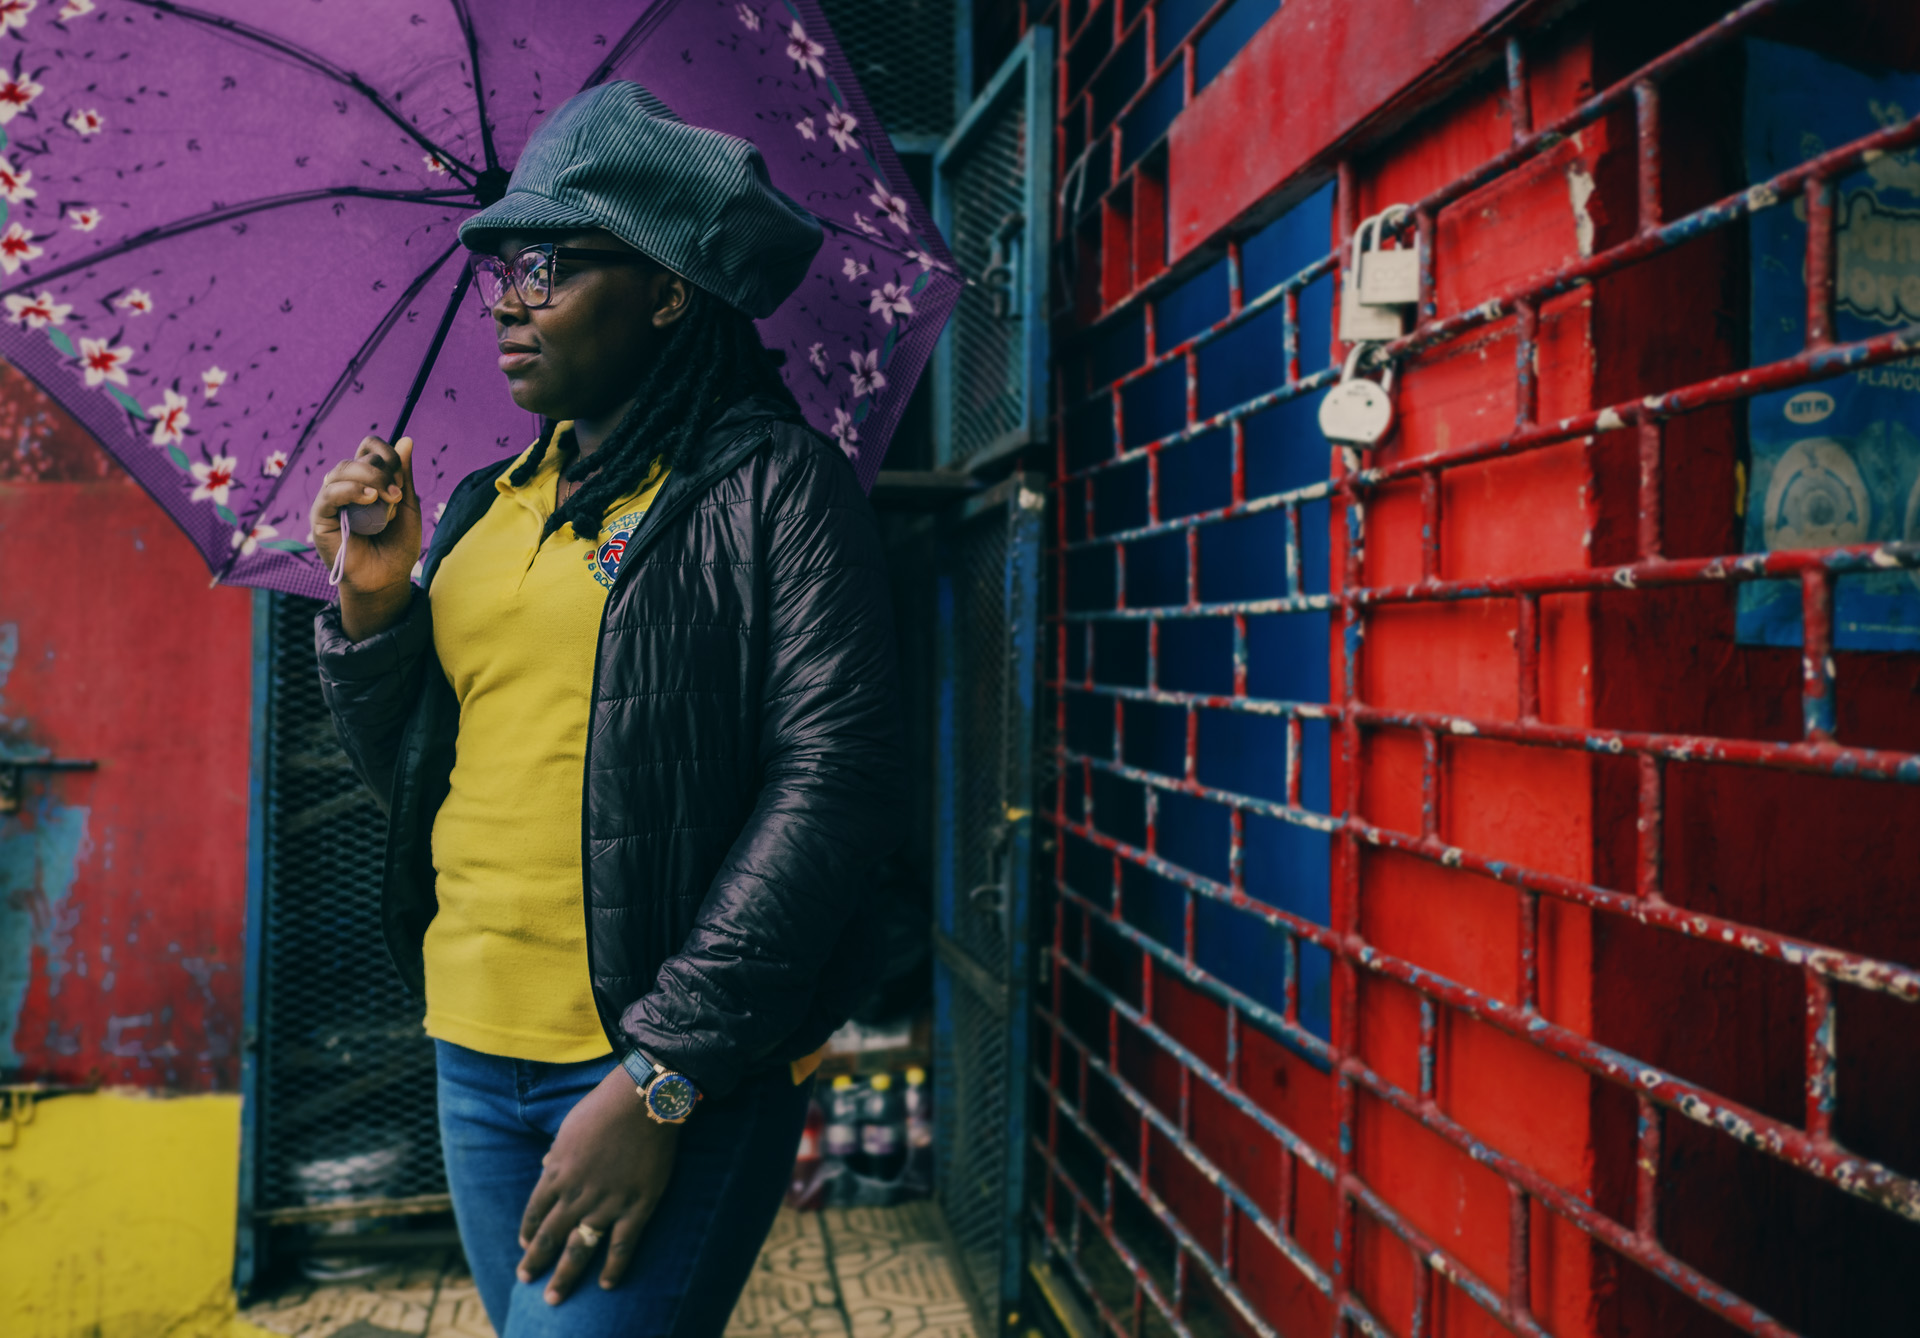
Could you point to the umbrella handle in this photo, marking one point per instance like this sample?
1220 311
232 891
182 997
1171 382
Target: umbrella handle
367 517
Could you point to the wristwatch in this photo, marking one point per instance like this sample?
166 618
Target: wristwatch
669 1096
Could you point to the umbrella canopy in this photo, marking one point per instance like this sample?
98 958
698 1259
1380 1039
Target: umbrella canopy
227 230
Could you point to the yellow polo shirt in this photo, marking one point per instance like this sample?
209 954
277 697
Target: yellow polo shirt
516 624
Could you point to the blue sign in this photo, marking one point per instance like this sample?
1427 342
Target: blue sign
1838 462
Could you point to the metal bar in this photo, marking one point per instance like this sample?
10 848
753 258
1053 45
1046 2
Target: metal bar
247 1242
1152 1117
1857 1175
1819 759
355 1209
1822 1051
1702 45
1518 1174
1084 98
1352 832
1816 655
1819 198
1526 644
1650 825
1646 107
1651 523
1807 366
1723 213
1646 1192
1651 574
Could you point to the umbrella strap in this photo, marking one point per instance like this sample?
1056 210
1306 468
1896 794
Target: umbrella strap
340 557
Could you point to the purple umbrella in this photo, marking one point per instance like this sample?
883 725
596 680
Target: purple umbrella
227 232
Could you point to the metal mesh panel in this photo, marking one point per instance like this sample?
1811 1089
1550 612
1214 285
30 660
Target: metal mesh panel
988 192
346 1072
987 562
974 1146
902 51
983 741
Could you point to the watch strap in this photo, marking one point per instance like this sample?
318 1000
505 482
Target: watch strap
640 1068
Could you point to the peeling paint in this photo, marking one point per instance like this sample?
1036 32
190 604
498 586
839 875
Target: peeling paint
40 851
1580 190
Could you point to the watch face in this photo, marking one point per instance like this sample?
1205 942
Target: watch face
672 1097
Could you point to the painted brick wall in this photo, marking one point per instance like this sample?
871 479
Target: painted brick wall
1467 984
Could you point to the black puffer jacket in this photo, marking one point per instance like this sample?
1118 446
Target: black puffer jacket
743 772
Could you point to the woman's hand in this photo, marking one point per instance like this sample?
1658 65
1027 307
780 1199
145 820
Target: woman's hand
376 584
608 1167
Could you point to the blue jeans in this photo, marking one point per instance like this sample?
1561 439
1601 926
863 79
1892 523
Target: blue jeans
499 1116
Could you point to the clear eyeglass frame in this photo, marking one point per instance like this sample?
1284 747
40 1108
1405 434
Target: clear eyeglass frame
534 272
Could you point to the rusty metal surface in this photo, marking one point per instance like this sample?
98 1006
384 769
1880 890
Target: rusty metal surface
1090 1211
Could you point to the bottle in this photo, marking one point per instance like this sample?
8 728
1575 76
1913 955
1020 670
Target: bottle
919 1107
883 1133
840 1130
803 1187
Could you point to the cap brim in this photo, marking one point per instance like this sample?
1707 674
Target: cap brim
522 211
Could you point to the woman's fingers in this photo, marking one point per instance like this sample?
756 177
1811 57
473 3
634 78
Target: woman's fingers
403 450
622 1242
545 1245
384 466
575 1257
540 1206
351 482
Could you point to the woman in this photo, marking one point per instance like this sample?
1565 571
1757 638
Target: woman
634 729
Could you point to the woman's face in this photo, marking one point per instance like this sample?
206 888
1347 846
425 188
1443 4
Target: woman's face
580 355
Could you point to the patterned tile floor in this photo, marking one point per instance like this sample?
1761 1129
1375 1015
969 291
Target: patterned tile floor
844 1273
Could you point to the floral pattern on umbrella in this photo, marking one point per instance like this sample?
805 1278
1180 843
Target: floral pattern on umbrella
227 231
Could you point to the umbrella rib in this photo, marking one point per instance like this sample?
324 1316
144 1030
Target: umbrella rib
433 352
195 222
640 27
348 375
465 18
317 63
884 243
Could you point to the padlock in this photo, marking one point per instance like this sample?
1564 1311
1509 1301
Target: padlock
1387 278
1361 324
1364 317
1357 411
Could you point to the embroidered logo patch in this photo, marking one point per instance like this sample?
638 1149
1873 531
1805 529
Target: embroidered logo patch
604 561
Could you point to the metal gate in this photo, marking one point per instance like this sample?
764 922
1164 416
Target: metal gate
991 197
341 1120
987 593
1217 1154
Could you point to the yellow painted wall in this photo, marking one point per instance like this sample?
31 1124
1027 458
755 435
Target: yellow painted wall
117 1218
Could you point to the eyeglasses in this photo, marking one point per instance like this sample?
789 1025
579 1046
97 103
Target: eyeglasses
535 272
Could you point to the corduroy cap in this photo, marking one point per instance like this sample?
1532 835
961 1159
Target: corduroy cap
697 201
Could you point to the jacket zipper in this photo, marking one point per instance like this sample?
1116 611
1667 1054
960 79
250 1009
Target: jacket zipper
657 518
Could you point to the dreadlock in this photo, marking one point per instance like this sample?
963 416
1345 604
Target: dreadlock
712 359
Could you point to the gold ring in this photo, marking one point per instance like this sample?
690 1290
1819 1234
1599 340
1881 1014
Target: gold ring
589 1235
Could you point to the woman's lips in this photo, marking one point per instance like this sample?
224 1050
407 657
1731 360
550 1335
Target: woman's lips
513 357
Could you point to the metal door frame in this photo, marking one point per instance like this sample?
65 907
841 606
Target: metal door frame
1031 61
1021 499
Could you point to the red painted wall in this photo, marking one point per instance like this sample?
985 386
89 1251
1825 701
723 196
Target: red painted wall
1827 859
1364 54
122 891
1527 806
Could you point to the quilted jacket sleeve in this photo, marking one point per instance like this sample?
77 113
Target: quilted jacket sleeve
370 687
830 805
